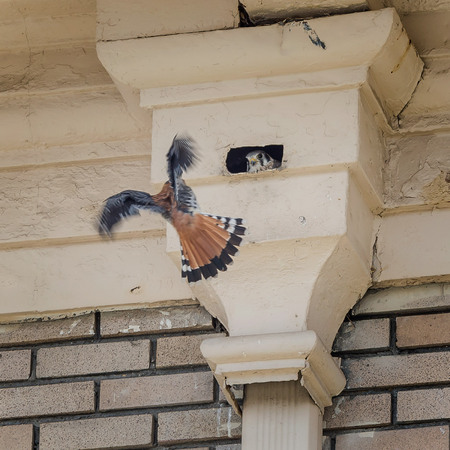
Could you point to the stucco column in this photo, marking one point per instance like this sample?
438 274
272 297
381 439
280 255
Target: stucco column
280 415
324 90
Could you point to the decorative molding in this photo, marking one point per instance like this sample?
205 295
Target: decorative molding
349 77
262 358
264 10
216 56
147 18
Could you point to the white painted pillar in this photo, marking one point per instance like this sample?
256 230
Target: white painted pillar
280 416
273 85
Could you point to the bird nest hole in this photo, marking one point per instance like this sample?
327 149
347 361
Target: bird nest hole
237 162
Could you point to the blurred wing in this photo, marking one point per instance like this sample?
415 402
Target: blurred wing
122 205
181 156
187 201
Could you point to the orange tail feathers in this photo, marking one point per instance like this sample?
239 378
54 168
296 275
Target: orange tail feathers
209 246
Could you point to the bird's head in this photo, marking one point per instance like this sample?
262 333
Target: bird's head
257 160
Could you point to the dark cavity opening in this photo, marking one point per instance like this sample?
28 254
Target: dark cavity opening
237 163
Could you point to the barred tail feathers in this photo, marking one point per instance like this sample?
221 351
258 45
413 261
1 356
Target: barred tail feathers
209 247
235 226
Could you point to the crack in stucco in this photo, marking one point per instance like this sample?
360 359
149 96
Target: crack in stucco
399 115
376 268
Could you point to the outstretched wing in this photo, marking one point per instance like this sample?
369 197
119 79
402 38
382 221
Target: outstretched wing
181 156
122 205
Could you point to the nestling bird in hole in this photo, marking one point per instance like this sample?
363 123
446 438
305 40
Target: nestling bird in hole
207 241
258 161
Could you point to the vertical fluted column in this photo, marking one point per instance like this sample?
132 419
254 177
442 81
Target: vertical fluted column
280 416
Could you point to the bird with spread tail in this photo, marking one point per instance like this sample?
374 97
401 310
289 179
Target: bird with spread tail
207 241
258 161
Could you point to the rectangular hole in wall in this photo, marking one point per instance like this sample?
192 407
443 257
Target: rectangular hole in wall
236 161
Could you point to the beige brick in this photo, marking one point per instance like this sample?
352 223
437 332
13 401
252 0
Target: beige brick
93 358
435 438
15 365
47 331
44 400
356 411
180 351
363 334
200 424
399 299
178 389
422 331
16 437
397 370
155 320
423 404
107 432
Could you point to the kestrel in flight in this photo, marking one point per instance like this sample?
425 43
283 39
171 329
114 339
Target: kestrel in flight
207 241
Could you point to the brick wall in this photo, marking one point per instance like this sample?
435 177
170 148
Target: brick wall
136 379
128 379
396 357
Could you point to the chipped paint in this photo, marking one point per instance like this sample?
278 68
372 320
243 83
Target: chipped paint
366 434
229 426
165 323
130 329
229 422
71 327
218 418
337 409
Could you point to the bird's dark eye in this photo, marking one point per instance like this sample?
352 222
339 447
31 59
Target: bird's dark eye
259 156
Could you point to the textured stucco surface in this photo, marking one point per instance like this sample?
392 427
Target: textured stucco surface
69 140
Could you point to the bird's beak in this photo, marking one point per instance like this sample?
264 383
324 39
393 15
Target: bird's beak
253 160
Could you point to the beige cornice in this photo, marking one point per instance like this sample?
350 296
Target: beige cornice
375 40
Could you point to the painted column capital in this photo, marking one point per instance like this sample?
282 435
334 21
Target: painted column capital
275 357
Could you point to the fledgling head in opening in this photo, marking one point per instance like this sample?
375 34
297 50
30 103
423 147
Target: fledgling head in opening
259 160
